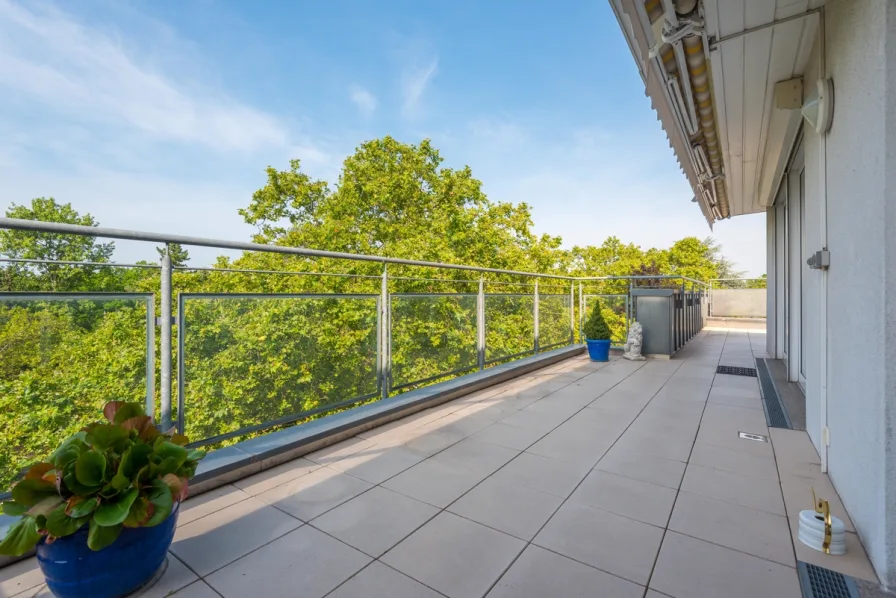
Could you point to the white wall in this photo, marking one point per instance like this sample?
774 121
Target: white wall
860 158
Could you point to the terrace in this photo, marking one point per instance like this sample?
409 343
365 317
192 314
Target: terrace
522 473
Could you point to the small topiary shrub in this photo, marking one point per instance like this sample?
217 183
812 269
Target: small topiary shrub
596 328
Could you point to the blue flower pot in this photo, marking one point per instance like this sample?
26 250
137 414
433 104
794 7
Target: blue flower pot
598 350
73 570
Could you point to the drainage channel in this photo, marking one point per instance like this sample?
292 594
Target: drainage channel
775 413
818 582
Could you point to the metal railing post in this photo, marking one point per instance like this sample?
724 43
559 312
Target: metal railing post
386 335
535 309
572 313
629 308
165 321
581 315
151 356
480 325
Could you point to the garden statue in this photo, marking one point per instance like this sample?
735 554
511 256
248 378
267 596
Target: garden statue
633 343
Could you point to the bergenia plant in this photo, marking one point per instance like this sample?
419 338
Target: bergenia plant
110 475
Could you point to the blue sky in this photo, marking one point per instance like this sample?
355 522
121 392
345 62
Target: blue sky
162 115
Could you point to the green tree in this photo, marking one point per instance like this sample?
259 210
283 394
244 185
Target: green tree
396 199
53 246
758 283
702 260
596 327
179 255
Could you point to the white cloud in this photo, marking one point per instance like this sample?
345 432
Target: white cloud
365 100
413 84
87 74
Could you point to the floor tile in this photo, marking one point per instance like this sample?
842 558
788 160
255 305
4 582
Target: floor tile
723 396
20 577
738 417
454 556
314 493
578 449
514 437
429 439
647 468
688 568
727 436
209 502
748 530
612 543
198 589
548 475
747 491
340 450
271 478
305 561
224 536
726 459
479 457
513 509
379 581
434 482
627 497
377 464
539 573
650 444
376 520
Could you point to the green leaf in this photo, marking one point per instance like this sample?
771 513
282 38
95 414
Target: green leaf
195 455
105 436
133 459
69 450
31 492
20 538
169 450
114 512
45 506
162 502
128 410
139 513
119 482
78 506
60 524
14 509
90 468
72 484
99 536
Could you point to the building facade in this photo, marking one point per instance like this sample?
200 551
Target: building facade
789 108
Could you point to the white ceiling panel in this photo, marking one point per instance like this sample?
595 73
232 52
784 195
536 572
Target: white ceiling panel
745 70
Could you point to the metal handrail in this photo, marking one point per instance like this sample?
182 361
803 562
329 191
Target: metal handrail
131 235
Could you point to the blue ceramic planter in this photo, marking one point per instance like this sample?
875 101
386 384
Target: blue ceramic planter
598 350
73 570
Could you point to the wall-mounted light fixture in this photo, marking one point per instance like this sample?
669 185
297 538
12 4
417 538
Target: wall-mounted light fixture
818 107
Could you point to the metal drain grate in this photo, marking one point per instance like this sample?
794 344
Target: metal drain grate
818 582
775 413
733 371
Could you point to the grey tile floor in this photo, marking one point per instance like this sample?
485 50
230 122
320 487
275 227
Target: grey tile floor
583 479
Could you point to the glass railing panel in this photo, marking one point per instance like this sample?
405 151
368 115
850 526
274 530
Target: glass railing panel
553 321
252 362
433 336
509 326
64 356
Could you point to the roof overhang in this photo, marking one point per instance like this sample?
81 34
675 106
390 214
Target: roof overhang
753 45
